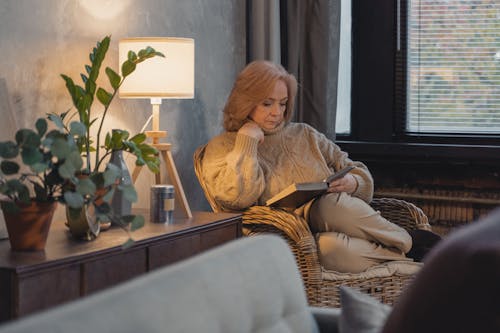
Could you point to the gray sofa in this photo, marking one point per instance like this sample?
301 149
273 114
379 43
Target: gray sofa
249 285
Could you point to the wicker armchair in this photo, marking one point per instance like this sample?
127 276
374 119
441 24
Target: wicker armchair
383 282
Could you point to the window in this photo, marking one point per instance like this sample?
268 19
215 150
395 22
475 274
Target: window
343 121
453 66
390 94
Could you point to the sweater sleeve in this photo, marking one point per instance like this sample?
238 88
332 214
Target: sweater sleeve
231 171
337 159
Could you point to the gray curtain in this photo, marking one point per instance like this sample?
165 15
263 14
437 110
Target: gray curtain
263 26
306 33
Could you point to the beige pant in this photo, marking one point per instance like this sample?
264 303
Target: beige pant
353 236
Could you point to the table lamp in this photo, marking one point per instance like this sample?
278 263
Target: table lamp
161 78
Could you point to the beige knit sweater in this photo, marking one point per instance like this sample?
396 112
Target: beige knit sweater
239 172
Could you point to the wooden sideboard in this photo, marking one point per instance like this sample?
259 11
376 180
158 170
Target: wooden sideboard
69 268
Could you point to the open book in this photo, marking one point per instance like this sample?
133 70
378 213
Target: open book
298 194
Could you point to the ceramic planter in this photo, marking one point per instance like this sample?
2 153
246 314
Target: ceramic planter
82 222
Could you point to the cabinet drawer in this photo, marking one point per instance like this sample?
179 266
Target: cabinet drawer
44 289
173 250
111 270
218 236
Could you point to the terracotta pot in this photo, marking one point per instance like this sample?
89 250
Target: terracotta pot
28 228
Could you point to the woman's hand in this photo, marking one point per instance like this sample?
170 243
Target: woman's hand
347 184
252 130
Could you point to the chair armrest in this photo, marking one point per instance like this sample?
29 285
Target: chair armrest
295 230
290 223
402 213
326 318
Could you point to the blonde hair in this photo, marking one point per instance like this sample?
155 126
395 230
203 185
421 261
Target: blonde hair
252 86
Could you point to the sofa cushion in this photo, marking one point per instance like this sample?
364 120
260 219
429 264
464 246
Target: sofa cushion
360 312
249 285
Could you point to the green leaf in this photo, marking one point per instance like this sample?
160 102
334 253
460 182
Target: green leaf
147 149
60 148
53 134
67 170
9 167
90 87
129 192
83 105
98 179
127 68
138 138
76 159
131 56
31 156
41 126
27 138
128 244
77 128
104 97
97 56
117 139
153 166
114 78
71 165
8 149
142 53
131 147
84 78
39 167
135 221
107 141
109 195
70 86
57 120
73 199
86 186
139 160
110 175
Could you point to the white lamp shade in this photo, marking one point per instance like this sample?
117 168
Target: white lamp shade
158 77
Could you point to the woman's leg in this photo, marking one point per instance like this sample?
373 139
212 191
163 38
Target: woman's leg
343 213
341 253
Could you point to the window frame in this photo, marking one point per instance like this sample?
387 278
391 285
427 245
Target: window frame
379 87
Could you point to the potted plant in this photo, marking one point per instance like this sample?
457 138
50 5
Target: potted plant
96 181
35 168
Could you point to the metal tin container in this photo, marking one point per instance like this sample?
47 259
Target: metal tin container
162 203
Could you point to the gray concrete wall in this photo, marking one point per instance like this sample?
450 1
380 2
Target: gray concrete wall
40 39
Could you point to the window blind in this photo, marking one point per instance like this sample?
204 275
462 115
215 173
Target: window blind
453 66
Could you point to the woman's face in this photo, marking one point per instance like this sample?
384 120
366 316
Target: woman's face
270 112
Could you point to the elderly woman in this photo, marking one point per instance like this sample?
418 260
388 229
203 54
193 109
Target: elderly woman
261 152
